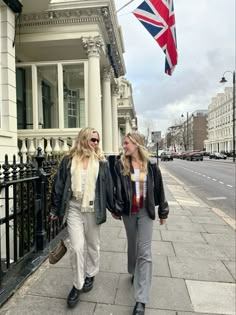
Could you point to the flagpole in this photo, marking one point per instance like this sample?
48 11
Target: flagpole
125 5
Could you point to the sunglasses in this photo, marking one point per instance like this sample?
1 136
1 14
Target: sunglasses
94 140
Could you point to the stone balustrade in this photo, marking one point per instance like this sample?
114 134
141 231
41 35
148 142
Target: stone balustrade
52 141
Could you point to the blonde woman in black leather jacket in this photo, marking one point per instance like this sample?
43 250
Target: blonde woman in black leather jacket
138 189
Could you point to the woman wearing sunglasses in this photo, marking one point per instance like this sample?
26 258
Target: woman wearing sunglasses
82 190
139 188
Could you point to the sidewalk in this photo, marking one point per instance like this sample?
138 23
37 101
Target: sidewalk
193 267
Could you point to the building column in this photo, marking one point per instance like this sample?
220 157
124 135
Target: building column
107 128
93 47
127 124
115 134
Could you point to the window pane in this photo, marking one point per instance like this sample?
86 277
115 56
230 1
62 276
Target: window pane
24 98
47 96
74 104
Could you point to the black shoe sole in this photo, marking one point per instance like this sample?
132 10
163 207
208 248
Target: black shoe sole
72 304
87 289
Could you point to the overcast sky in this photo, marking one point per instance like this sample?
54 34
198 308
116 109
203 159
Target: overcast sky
206 48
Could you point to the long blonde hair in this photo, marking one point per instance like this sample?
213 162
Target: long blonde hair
82 147
143 155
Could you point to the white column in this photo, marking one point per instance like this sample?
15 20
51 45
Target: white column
35 97
115 134
106 112
93 46
127 124
60 97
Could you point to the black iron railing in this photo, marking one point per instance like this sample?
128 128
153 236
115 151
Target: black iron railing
25 190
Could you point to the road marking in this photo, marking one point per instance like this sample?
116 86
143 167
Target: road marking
214 179
230 186
221 183
216 198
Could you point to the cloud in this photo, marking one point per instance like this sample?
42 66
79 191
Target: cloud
206 48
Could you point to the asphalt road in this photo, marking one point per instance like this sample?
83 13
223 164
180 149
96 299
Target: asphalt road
211 180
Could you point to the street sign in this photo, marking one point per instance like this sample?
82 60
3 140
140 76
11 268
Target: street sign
156 136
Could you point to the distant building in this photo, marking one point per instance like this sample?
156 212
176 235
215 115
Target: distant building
127 120
190 134
197 130
220 122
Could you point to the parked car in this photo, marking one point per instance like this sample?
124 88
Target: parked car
194 156
182 155
218 156
166 156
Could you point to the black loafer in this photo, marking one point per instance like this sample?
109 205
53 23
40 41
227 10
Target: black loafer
139 309
132 279
88 284
73 297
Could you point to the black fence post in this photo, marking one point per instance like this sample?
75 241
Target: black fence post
41 235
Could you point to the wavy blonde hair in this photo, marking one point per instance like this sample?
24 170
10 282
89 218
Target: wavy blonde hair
143 155
82 147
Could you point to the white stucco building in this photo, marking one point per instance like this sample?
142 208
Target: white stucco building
61 69
220 122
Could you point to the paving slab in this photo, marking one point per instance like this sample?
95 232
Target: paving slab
180 212
202 251
191 313
202 212
113 245
211 297
104 290
199 269
160 266
182 236
52 285
179 218
113 262
220 239
209 219
108 231
103 309
231 266
125 294
163 248
169 294
37 305
230 251
156 235
157 226
109 309
218 228
181 226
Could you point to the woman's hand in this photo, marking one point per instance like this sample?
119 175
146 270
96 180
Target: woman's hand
162 221
115 216
53 217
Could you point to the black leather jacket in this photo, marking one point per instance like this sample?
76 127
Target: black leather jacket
61 191
155 195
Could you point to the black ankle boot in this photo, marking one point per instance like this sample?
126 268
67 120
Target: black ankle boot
88 284
73 297
139 309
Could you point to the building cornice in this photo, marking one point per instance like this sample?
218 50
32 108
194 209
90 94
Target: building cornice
69 14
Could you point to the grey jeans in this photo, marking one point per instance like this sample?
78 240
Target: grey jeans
139 235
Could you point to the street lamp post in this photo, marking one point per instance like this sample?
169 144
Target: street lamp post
223 80
187 143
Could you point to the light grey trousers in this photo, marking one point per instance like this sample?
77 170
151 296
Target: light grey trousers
139 235
84 236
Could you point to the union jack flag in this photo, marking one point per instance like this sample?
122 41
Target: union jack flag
158 17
